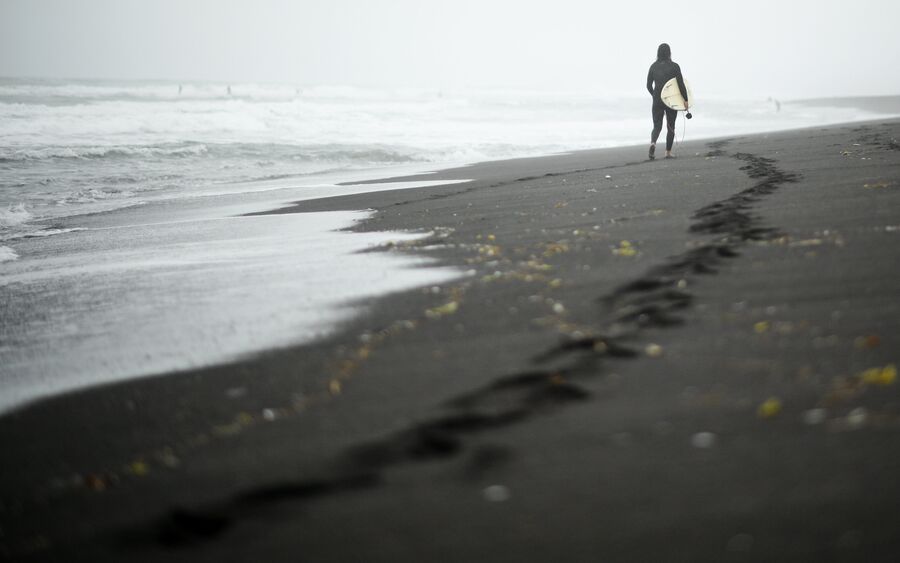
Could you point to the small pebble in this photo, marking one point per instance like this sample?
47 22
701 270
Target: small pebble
815 416
269 415
703 440
496 493
857 417
168 458
653 350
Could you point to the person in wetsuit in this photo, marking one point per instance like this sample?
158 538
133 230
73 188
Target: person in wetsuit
663 70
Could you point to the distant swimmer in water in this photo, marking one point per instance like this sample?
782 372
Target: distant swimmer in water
229 89
663 70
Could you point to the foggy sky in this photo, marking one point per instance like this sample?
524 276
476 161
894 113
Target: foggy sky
785 48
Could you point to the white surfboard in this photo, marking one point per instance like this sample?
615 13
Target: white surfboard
671 95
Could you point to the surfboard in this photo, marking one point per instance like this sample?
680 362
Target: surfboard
671 95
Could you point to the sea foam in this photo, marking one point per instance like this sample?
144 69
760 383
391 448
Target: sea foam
7 254
14 215
138 299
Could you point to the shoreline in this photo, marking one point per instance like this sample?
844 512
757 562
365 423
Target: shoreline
458 173
369 435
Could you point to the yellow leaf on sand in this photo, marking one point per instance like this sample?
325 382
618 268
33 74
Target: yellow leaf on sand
769 408
445 309
552 248
625 248
489 250
886 375
139 468
761 327
871 375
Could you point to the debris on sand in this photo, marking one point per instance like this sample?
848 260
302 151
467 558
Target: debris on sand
769 408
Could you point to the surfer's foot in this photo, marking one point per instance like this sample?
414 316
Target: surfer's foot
669 155
652 151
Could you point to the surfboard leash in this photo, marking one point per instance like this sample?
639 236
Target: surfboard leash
687 115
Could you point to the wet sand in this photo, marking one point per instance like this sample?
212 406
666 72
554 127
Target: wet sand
677 360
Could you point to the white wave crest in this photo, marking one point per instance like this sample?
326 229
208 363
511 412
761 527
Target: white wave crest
7 254
42 153
14 215
91 195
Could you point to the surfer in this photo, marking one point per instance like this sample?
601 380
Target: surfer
663 70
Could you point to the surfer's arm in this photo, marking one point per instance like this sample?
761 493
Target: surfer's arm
650 80
681 86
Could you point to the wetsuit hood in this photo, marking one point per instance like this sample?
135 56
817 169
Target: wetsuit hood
664 52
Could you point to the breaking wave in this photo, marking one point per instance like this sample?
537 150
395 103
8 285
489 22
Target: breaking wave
14 215
8 154
7 254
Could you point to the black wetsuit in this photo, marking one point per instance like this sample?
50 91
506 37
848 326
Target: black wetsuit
661 72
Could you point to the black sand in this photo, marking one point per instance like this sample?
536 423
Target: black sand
717 387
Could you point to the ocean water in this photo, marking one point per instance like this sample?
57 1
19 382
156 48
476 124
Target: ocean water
73 148
123 252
